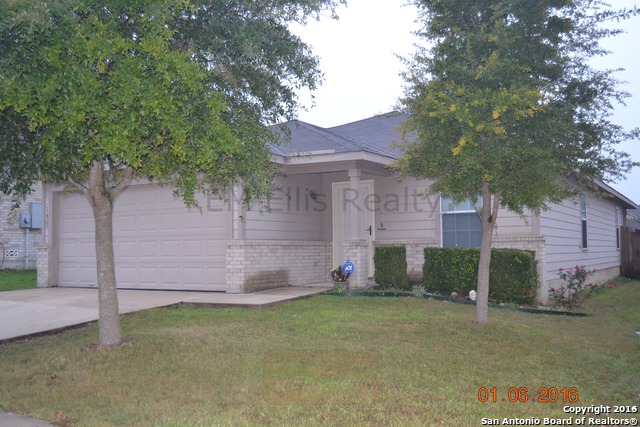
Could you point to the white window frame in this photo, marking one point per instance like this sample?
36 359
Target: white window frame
617 223
454 211
584 223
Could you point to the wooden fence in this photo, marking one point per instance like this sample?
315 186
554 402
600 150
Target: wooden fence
630 252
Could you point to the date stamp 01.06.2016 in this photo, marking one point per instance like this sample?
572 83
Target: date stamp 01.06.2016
603 415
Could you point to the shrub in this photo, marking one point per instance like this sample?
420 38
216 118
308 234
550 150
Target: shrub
574 288
512 277
449 270
391 267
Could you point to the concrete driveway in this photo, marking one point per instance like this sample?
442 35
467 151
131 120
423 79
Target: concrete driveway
38 311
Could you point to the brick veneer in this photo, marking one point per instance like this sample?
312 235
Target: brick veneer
355 250
42 266
253 265
12 236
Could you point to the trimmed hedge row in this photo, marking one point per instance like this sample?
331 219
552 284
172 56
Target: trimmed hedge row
512 278
391 267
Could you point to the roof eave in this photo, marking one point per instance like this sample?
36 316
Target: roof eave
626 202
308 159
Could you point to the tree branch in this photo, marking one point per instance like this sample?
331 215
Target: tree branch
123 183
77 185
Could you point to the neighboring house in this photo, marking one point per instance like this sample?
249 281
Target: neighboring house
18 243
335 200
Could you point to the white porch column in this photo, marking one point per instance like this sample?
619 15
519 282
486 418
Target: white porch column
235 271
238 214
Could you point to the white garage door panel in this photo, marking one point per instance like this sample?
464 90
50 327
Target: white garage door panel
158 242
169 248
84 275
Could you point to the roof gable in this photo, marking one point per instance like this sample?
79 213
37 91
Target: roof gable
373 135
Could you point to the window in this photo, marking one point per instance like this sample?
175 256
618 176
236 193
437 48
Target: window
461 225
617 222
583 220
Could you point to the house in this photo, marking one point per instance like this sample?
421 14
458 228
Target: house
19 236
335 201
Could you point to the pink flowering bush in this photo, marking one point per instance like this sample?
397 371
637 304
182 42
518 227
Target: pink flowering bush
574 287
596 288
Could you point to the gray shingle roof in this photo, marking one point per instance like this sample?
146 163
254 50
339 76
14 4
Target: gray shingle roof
373 135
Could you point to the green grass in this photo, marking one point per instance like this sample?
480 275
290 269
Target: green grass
328 361
13 280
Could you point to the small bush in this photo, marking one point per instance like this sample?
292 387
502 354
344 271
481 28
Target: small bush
449 270
574 288
512 277
391 267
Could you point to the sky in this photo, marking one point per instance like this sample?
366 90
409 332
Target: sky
359 59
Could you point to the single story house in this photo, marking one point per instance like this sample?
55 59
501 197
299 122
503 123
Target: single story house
335 201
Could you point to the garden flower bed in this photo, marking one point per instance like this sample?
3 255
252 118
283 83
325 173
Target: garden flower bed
456 300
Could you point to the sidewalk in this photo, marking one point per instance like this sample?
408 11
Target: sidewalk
14 420
35 312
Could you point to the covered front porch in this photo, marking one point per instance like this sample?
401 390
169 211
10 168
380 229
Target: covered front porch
322 213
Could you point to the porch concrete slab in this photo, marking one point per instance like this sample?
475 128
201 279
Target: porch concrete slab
38 311
261 298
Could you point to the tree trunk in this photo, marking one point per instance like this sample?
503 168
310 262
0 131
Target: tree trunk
489 214
102 199
108 322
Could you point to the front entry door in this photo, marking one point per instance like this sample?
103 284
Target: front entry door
345 199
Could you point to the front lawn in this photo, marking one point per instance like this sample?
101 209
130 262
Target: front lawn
13 280
332 361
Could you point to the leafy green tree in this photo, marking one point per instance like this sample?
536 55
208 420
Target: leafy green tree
97 93
504 106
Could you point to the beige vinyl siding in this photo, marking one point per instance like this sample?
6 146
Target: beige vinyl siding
293 214
404 212
400 212
327 215
514 224
562 227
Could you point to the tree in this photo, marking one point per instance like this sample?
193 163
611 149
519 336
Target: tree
97 93
505 107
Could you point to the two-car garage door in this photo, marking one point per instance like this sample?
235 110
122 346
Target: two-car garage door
158 242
